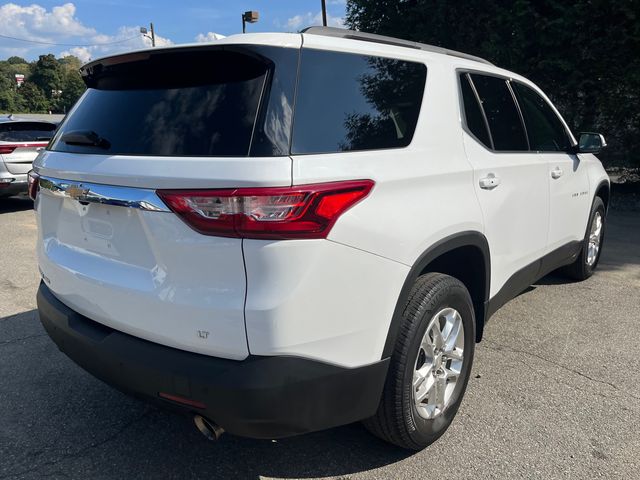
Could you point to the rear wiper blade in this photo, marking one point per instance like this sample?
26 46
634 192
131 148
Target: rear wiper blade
85 138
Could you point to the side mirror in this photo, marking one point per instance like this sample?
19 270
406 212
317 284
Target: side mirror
589 142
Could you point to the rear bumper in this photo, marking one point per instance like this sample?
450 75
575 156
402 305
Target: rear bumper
260 397
18 184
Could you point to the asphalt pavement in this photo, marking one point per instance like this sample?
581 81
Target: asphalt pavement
554 393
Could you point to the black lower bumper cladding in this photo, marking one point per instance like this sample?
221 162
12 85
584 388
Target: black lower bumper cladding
260 397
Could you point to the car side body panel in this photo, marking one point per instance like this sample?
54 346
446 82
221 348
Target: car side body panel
319 299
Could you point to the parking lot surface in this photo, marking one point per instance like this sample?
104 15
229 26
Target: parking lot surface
554 393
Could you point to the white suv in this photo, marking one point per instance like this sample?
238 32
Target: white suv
20 142
281 233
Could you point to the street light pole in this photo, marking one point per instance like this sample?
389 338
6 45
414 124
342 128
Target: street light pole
324 13
248 17
153 35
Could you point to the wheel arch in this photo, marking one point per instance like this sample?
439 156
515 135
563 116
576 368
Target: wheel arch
603 190
463 255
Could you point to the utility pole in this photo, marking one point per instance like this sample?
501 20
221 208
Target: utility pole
152 37
324 13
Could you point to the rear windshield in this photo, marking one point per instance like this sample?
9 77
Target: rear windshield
26 131
197 103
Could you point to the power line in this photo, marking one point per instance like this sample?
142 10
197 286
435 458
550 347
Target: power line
69 44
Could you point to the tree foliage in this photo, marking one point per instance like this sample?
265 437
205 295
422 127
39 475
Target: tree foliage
73 89
47 74
16 60
8 98
32 98
584 54
50 84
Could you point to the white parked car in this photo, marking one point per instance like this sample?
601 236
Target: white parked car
20 141
281 233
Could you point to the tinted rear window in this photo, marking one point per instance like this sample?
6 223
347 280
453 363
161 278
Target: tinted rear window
349 102
188 103
502 113
26 131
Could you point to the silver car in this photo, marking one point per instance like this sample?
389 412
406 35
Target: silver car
20 141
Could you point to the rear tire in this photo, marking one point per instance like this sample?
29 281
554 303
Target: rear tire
589 256
438 364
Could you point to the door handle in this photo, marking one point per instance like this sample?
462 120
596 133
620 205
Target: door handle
489 182
556 172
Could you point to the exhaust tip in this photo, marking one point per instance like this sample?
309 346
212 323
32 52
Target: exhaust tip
209 429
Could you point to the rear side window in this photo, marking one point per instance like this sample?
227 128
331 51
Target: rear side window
348 102
474 118
502 113
545 130
26 131
188 103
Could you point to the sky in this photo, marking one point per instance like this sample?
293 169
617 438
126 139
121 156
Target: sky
94 28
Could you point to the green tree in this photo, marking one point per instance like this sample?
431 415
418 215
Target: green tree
33 98
9 101
16 60
584 54
9 70
47 75
72 88
72 84
58 80
70 62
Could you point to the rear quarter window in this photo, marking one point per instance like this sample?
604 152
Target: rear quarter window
473 116
348 102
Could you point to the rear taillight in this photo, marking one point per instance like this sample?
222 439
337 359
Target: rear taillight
33 180
305 211
8 148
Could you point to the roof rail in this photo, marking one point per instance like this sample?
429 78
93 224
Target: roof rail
372 37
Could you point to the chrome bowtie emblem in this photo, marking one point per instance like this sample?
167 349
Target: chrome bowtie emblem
77 191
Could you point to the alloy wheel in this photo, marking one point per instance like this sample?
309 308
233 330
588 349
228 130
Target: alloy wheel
439 363
595 238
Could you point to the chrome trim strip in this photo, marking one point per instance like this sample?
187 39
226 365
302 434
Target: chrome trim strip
85 192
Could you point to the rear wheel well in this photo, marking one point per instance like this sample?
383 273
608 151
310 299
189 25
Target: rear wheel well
463 255
467 264
604 192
